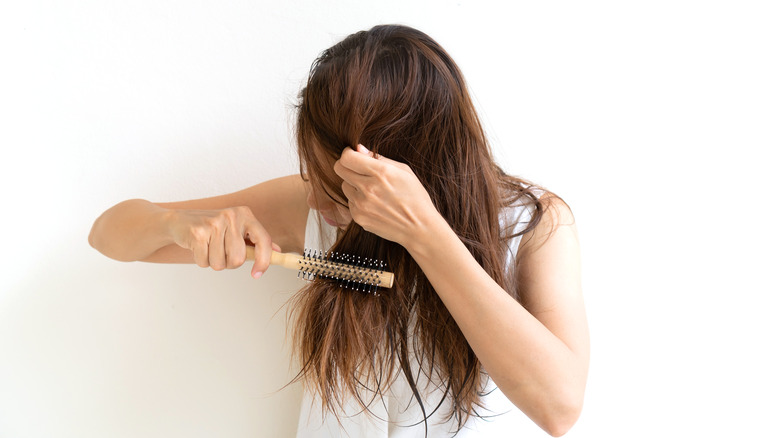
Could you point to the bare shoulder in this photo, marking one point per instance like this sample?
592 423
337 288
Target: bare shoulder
279 204
556 217
549 274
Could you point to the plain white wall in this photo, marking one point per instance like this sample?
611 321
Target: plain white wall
656 121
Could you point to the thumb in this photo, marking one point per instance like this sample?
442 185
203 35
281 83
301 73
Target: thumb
364 150
262 249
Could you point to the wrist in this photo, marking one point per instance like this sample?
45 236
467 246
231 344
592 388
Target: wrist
429 236
167 220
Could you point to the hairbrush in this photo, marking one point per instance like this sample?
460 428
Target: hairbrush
350 271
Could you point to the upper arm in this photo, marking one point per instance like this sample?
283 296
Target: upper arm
549 276
278 204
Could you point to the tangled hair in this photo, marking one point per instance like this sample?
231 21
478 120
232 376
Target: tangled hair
396 91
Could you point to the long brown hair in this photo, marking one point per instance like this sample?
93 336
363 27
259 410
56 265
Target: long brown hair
396 91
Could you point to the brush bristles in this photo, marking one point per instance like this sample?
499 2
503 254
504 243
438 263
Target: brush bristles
351 272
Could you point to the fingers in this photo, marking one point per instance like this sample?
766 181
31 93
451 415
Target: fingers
217 250
200 252
362 170
357 169
226 245
359 163
346 170
359 166
363 150
263 246
235 248
218 239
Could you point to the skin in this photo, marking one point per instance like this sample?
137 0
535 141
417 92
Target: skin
537 352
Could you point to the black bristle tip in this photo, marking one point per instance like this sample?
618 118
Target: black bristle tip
348 271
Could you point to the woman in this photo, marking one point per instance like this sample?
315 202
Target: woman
486 317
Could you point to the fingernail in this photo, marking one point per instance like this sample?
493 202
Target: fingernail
257 274
363 149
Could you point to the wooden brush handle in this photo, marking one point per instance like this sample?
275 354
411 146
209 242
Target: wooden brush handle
285 260
296 261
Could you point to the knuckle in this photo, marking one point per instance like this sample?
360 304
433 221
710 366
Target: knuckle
265 240
214 223
244 211
217 262
236 258
234 262
199 235
201 262
228 214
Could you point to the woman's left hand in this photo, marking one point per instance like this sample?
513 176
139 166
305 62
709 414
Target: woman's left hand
385 197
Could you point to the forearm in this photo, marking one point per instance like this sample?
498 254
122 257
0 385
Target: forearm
131 230
534 368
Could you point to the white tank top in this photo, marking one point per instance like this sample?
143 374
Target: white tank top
397 414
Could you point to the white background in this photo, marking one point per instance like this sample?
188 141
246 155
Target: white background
657 121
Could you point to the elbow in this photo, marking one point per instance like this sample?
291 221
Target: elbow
560 404
559 429
97 238
562 418
94 236
91 239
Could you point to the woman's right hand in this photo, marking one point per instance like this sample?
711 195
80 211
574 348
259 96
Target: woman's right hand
218 238
212 232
